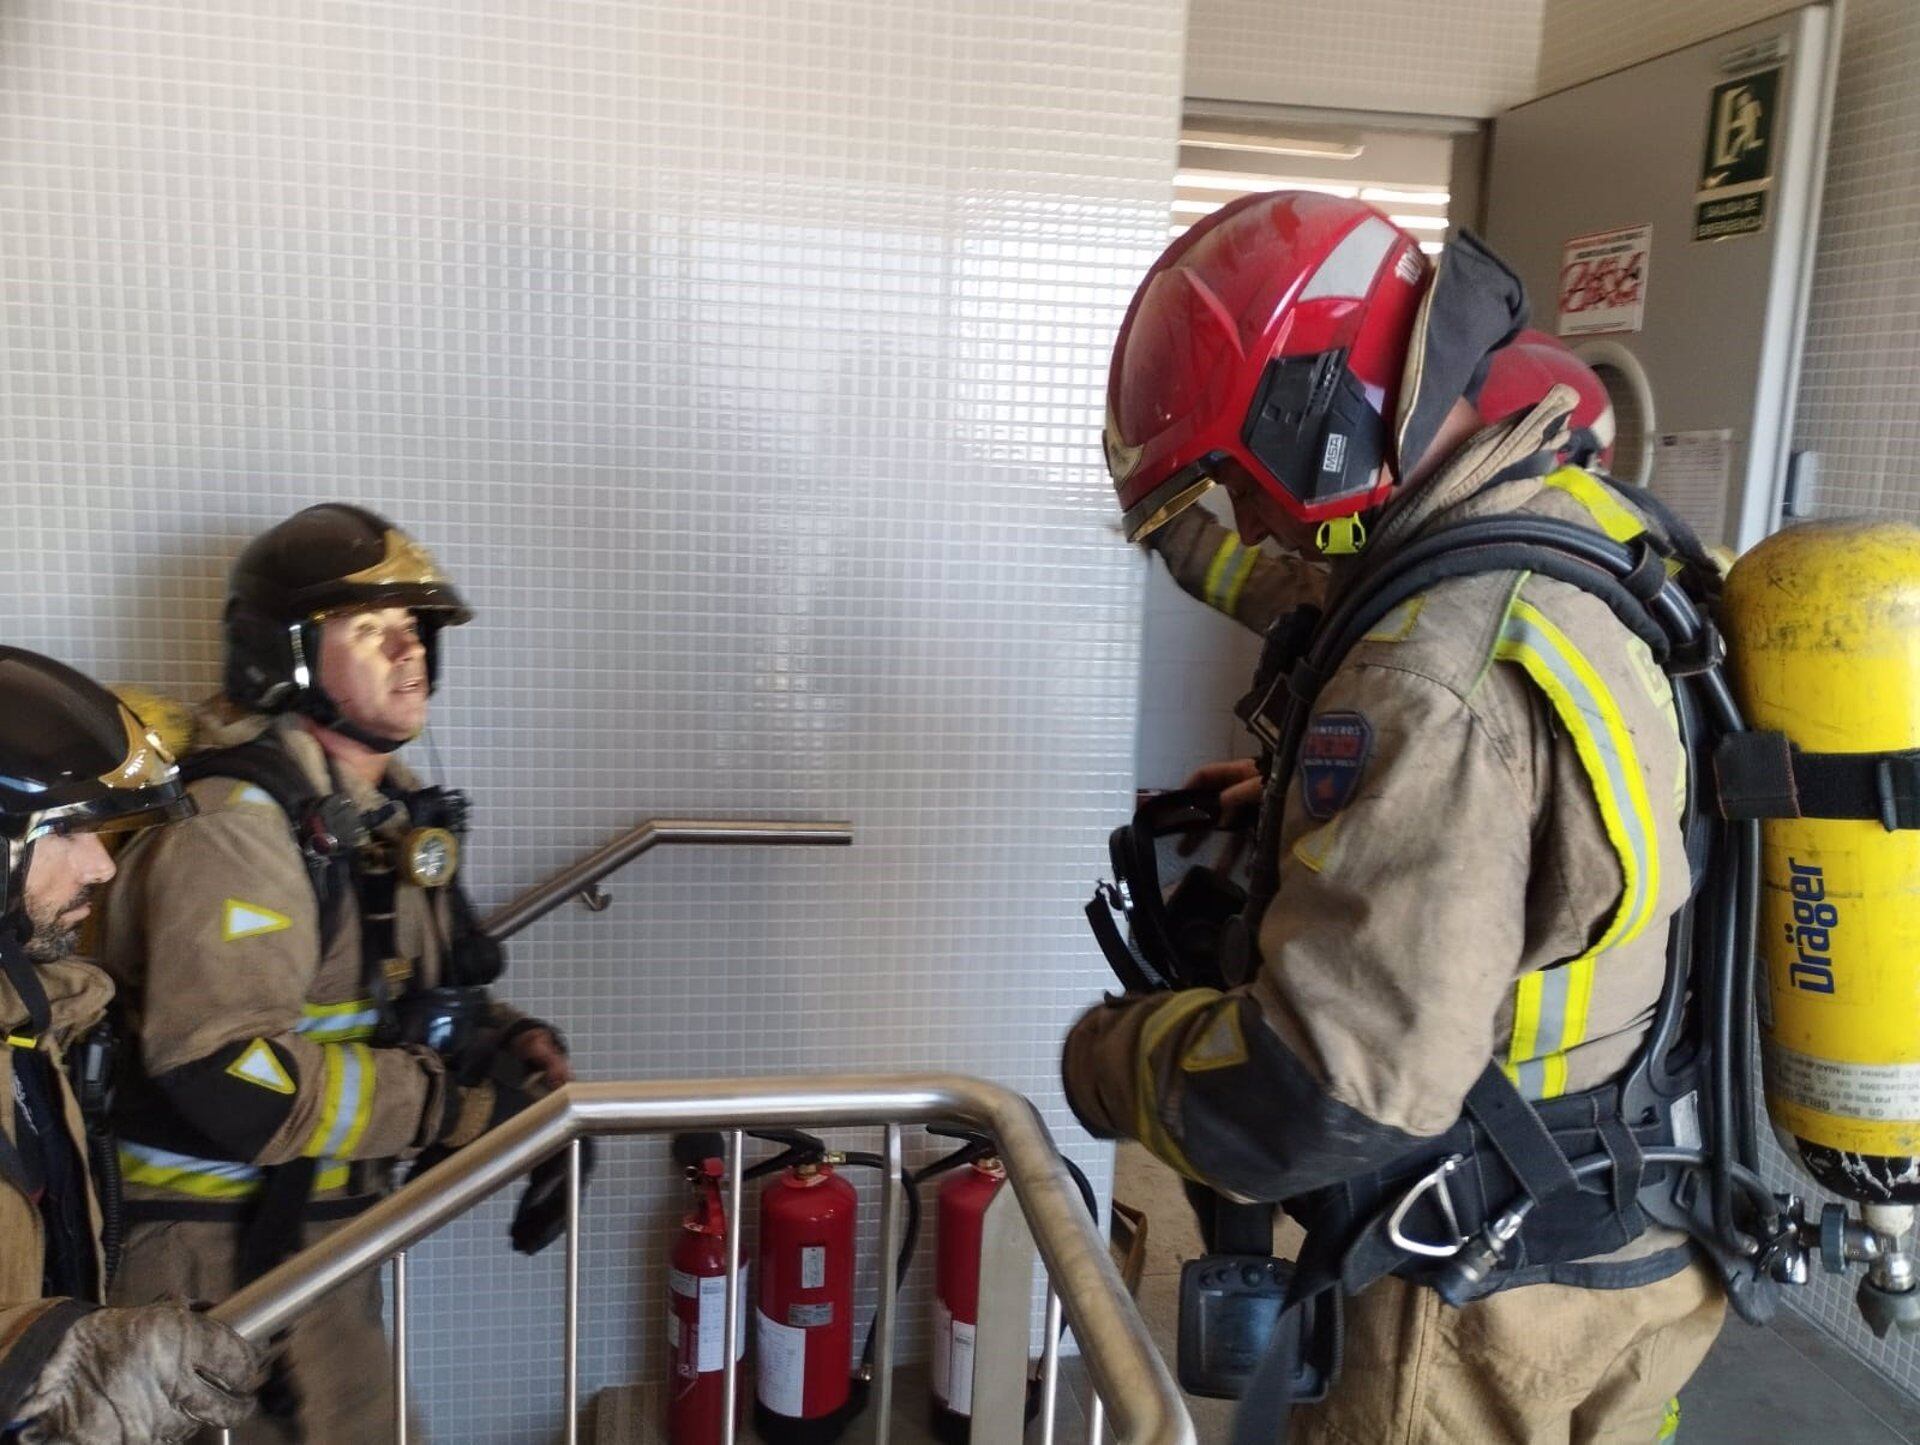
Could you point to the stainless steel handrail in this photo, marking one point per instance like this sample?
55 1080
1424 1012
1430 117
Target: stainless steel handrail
1130 1378
579 878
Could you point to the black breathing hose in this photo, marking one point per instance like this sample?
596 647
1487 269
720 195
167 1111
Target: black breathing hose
104 1157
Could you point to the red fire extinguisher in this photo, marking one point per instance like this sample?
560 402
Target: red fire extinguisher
697 1314
964 1202
956 1307
804 1326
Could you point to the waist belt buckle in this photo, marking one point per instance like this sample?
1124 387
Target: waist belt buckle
1434 1183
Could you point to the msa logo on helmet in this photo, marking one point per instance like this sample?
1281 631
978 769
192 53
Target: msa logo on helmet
1334 459
1810 934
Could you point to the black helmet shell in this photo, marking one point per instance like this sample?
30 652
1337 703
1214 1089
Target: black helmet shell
321 562
74 758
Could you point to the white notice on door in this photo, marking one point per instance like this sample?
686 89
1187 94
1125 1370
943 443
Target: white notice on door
1603 281
782 1381
713 1321
1691 472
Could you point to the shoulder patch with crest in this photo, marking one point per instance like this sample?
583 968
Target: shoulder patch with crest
1333 755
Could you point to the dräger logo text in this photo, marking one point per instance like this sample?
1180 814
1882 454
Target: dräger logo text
1810 934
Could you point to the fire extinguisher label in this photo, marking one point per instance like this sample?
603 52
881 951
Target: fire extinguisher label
942 1351
681 1283
810 1316
782 1374
813 1267
960 1401
952 1360
713 1321
960 1373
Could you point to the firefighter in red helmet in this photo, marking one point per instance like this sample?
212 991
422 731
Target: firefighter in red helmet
1255 587
1470 840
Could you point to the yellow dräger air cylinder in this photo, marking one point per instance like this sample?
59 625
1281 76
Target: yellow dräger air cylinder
1823 624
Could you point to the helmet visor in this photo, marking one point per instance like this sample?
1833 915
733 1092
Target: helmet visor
1171 370
1171 497
117 812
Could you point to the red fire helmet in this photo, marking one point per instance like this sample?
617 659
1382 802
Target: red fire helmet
1520 373
1274 334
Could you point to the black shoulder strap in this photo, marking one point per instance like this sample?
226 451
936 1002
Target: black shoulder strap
25 979
266 765
261 762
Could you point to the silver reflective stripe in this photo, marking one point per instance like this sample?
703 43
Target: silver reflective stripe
167 1159
332 1028
1350 270
1601 718
352 1082
1532 1080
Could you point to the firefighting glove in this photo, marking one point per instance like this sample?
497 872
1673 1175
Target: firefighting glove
541 1215
473 1109
136 1376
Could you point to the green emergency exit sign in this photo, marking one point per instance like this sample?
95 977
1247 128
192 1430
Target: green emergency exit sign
1736 164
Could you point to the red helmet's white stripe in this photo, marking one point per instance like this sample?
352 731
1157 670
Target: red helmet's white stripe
1351 266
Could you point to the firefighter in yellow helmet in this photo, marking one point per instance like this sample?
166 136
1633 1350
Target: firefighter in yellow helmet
75 763
302 976
1446 985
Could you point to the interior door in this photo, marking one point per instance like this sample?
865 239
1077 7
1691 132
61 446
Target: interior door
1663 219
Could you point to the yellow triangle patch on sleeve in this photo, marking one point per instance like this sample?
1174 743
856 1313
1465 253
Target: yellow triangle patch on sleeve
1221 1045
240 919
260 1065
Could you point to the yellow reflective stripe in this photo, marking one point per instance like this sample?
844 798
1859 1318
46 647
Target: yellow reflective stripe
1670 1419
1526 1018
338 1023
1397 625
349 1095
333 1176
333 1089
1551 1006
153 1168
363 1102
1242 574
1616 520
335 1010
1223 556
1146 1124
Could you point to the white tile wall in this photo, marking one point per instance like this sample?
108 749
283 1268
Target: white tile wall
743 361
1428 57
1860 388
1859 404
1584 38
1194 666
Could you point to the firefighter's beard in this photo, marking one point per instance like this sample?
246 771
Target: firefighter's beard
52 938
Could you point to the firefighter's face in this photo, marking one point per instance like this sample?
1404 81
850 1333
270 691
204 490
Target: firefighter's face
62 872
374 666
1257 514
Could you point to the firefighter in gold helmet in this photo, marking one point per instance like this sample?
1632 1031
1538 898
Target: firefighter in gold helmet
75 763
1470 846
302 977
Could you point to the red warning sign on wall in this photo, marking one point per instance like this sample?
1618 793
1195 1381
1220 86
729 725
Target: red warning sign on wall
1603 281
